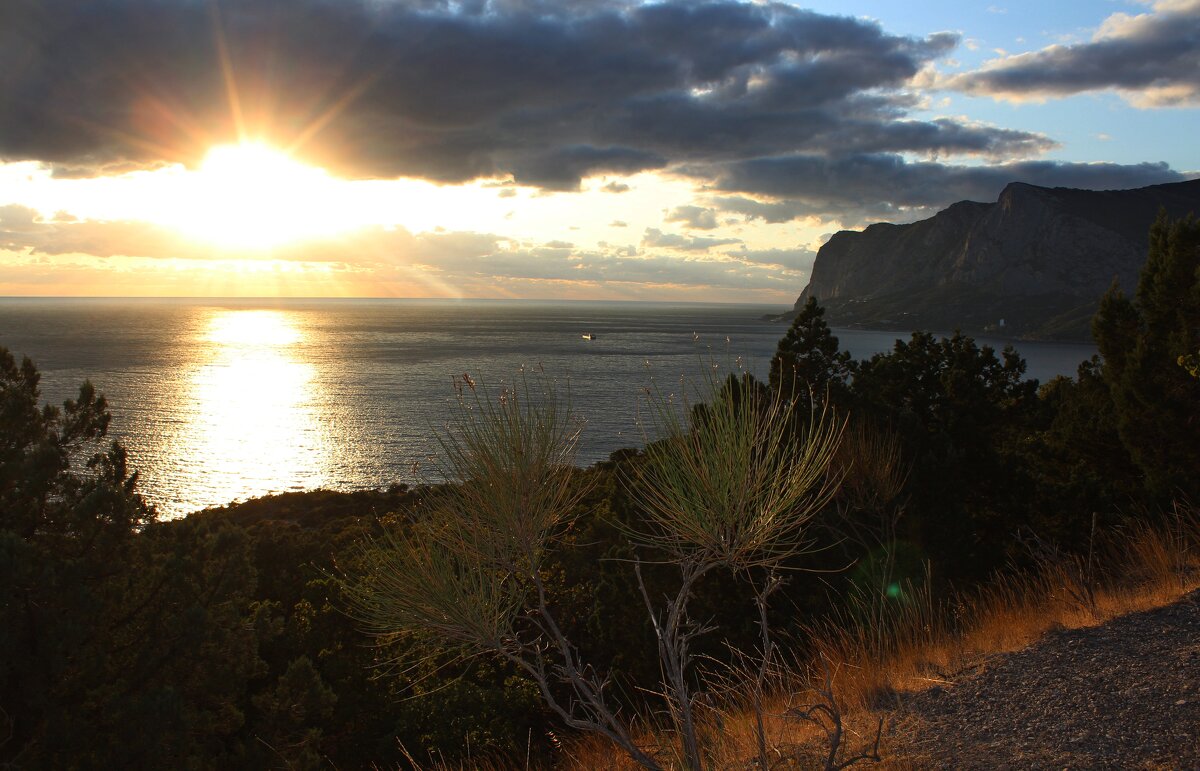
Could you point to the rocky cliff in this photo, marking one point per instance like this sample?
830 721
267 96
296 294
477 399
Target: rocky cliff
1032 264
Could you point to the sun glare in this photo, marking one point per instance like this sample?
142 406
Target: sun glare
251 196
252 328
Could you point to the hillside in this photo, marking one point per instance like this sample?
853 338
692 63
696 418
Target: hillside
1033 264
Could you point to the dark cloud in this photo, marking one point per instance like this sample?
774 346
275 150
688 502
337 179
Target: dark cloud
848 213
562 168
886 186
544 92
655 238
615 187
1155 57
771 212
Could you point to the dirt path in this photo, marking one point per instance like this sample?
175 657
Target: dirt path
1123 695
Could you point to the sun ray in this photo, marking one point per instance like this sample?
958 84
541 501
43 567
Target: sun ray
227 73
331 113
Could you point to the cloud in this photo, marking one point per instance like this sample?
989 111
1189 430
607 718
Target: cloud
615 266
886 186
653 237
22 230
696 217
543 93
615 187
1152 59
798 259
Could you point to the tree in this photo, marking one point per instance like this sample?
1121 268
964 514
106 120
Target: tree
291 713
808 364
1142 340
108 620
62 535
959 411
734 488
1077 460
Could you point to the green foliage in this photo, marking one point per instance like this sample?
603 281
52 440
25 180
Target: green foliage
1075 458
960 413
512 457
290 715
1140 339
737 485
460 572
808 364
40 499
109 622
405 696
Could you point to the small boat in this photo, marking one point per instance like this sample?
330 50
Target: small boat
589 336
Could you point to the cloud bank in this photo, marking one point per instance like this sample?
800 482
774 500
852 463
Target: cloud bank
1153 59
546 93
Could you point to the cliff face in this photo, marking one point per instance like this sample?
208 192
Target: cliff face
1038 258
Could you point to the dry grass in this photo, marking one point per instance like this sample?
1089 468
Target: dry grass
919 644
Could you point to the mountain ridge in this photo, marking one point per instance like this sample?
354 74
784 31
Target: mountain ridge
1032 264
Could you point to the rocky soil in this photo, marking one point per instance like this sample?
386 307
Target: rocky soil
1122 695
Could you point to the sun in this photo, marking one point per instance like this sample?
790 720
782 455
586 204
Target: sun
253 197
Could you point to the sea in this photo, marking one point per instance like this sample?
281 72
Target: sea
229 399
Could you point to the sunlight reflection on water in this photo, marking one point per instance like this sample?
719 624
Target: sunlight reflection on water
253 420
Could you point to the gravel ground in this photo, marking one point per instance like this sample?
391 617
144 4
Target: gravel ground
1123 695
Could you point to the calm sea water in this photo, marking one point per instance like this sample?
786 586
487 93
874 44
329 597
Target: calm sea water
227 400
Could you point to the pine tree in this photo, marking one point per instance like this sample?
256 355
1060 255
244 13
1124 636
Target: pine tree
808 363
1142 340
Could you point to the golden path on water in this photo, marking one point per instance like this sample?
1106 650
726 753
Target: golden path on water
252 427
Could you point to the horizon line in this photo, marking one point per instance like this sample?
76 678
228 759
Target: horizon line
289 298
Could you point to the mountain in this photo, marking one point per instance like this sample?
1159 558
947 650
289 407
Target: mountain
1033 264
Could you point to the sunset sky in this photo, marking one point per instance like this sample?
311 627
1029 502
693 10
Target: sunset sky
562 149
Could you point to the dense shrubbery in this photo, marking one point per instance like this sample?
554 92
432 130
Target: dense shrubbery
222 640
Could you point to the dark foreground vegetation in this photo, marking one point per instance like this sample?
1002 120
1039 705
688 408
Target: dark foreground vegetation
234 638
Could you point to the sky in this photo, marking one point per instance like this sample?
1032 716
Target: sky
550 149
